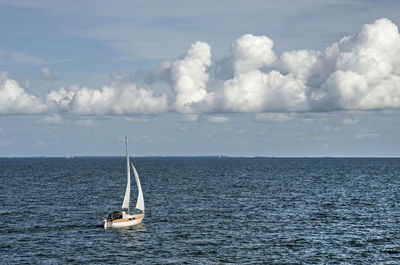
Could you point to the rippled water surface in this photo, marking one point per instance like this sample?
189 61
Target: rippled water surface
202 211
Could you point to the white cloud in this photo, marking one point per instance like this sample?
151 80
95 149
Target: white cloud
190 78
61 98
256 91
251 52
14 99
252 88
132 119
359 72
88 101
367 71
218 119
52 119
275 117
116 99
302 64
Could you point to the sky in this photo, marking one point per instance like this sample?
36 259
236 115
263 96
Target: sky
196 78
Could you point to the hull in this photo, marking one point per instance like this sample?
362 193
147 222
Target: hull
134 220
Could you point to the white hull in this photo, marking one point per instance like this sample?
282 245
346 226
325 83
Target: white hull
134 220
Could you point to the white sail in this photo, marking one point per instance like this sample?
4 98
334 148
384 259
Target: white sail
140 200
125 204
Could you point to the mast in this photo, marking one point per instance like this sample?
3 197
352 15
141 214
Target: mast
125 204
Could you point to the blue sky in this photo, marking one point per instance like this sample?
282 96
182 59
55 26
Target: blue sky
240 78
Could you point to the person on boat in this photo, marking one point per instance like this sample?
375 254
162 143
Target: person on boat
114 216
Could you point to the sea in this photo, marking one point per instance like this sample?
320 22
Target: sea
202 210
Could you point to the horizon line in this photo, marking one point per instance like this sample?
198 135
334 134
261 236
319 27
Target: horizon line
191 156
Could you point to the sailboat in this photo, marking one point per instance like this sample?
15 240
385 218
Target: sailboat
123 218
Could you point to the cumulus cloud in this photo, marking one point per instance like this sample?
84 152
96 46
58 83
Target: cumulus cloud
366 73
14 99
61 98
190 77
116 99
256 91
359 72
251 52
302 64
256 86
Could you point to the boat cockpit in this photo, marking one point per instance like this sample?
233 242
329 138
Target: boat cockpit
114 216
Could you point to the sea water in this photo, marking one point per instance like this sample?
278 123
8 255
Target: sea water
202 211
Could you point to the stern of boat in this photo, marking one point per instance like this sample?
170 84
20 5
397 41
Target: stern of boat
107 224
